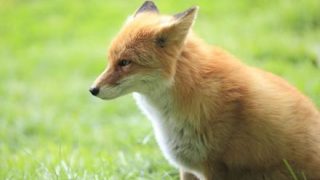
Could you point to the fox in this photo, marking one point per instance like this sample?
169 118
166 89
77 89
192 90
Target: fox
214 117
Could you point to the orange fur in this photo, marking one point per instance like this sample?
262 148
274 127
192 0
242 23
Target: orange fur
246 121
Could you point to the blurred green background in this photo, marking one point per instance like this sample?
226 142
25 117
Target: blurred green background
51 51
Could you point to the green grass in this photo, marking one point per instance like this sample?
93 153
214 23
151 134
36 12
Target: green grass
51 51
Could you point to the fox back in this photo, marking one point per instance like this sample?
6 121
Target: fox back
213 116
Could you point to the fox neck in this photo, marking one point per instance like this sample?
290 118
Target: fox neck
182 94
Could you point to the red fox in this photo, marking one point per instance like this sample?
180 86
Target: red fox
214 117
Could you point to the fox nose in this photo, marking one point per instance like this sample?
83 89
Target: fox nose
94 91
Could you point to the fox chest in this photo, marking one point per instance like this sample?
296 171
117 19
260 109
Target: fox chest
178 139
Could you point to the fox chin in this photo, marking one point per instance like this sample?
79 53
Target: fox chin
214 117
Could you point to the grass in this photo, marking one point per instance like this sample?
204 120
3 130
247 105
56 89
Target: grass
295 175
51 51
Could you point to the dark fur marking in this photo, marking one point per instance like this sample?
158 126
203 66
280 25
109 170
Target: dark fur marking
161 41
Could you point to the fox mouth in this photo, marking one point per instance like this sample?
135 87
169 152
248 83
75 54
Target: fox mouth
113 91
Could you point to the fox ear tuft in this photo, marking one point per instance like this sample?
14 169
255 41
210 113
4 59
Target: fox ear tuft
147 6
177 29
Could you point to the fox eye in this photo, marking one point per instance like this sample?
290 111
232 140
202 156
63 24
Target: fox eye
124 62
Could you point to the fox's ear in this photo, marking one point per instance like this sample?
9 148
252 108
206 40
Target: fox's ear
147 6
176 29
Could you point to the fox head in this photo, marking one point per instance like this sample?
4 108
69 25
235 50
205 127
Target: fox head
143 56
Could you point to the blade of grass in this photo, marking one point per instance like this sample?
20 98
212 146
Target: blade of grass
294 176
303 176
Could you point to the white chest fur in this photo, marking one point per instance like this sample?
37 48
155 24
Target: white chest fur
175 135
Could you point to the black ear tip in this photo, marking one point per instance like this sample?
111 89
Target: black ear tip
192 10
195 8
147 6
148 2
187 12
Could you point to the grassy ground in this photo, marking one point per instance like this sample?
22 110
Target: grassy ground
51 51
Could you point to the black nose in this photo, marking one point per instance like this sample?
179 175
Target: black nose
94 91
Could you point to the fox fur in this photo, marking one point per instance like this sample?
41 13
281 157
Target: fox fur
214 117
